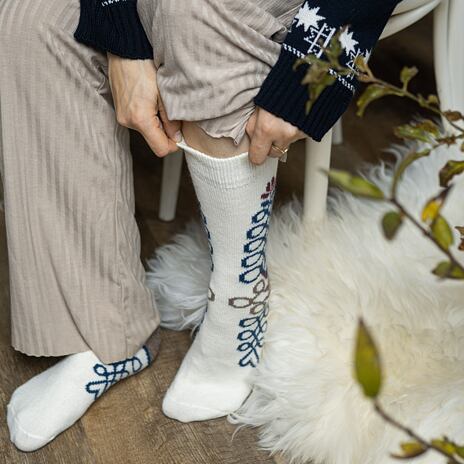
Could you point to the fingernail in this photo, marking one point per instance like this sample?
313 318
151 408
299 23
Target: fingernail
178 137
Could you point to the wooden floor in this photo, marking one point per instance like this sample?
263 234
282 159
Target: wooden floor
126 425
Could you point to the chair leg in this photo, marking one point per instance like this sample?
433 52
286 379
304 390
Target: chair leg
337 138
448 56
172 170
316 182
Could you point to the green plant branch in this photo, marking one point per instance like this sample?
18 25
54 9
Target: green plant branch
425 232
452 459
370 78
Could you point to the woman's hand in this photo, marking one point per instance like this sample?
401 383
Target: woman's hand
138 103
270 136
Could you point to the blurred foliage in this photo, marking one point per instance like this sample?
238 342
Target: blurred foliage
430 222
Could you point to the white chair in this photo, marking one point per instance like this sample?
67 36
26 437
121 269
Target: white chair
449 71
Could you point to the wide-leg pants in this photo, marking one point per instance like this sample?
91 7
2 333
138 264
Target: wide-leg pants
76 279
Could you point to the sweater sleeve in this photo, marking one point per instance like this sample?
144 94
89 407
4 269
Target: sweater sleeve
113 26
313 27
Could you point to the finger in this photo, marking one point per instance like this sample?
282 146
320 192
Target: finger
172 128
250 127
260 147
157 139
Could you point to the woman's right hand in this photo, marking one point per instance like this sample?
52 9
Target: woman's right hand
138 103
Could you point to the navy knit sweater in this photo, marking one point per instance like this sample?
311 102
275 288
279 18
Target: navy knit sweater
114 26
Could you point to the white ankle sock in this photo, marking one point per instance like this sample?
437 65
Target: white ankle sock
54 400
236 201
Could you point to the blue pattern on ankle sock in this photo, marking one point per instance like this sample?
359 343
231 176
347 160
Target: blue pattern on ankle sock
112 373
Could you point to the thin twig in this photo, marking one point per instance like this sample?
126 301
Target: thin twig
425 232
427 445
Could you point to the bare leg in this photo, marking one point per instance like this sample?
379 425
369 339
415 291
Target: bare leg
223 147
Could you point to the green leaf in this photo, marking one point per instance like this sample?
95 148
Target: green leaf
391 223
447 270
433 99
371 93
460 451
315 90
368 370
449 171
424 131
442 233
410 450
407 74
445 445
355 185
404 164
361 63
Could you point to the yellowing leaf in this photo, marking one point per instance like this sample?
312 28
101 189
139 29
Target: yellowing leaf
355 185
453 116
434 206
371 93
368 370
424 131
449 171
391 223
431 211
460 229
442 233
410 450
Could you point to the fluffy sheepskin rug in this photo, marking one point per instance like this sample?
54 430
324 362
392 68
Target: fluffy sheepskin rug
324 278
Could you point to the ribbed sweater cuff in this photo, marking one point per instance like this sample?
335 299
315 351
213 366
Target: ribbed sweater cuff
283 95
114 28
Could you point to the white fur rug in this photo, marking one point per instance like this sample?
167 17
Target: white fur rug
305 401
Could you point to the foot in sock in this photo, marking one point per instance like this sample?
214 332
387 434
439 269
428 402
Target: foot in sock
236 201
54 400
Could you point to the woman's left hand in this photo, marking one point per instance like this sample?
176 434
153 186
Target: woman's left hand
270 136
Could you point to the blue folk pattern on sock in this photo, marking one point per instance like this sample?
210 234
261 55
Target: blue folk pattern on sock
253 328
254 261
208 236
252 338
109 374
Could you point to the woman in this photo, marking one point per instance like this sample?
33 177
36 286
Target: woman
225 70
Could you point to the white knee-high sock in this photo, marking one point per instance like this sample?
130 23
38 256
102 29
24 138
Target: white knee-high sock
54 400
236 200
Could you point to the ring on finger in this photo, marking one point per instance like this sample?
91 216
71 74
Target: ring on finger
282 153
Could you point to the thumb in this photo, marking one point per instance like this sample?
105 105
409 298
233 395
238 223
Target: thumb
172 128
250 127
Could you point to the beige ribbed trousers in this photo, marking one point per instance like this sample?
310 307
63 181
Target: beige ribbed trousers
76 279
213 56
